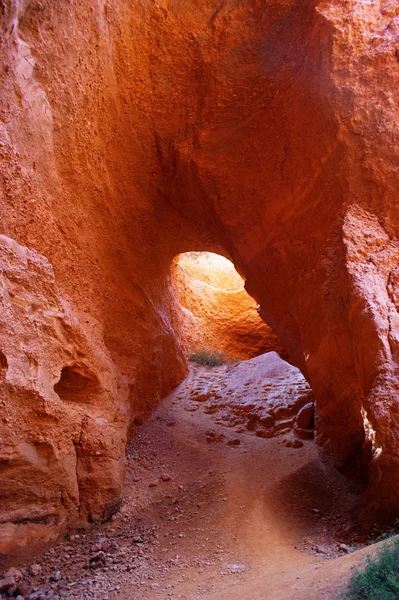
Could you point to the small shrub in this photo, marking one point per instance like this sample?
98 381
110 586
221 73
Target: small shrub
380 578
206 357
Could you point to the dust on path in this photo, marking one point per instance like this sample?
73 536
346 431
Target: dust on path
213 510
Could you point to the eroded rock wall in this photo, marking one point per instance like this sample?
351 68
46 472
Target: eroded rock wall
85 214
62 434
134 131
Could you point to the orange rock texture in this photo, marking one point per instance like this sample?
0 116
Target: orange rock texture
134 131
217 314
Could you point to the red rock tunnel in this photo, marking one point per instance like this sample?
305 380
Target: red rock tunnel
266 132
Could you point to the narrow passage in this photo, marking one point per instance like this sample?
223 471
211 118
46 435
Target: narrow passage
226 497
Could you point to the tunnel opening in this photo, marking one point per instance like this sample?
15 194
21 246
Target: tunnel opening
255 390
218 321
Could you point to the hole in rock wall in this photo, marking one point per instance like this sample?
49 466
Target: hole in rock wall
3 364
217 315
76 385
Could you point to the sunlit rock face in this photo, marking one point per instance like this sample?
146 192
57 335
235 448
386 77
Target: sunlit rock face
217 314
132 132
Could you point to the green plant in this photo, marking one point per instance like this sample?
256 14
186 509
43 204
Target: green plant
206 357
380 579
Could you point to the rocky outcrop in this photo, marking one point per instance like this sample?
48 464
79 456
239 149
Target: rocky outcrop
264 395
216 314
62 436
131 133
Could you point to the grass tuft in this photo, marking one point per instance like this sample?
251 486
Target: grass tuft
379 535
206 357
380 579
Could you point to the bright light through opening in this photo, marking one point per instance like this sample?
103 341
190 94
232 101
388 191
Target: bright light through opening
216 313
370 434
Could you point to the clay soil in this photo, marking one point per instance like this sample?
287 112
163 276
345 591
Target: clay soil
211 511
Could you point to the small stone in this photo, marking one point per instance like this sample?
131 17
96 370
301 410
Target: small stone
138 539
23 589
153 483
166 477
321 550
234 442
15 573
267 421
304 434
35 570
263 433
98 560
316 511
56 576
19 597
136 479
305 417
344 548
297 444
6 583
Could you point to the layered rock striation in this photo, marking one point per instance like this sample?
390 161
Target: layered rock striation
131 132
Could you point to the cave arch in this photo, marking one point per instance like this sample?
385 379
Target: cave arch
259 130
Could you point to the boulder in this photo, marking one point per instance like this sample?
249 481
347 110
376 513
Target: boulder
305 417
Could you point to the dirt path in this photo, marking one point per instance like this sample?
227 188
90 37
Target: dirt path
215 508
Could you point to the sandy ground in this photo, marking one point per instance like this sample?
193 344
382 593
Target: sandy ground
212 511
